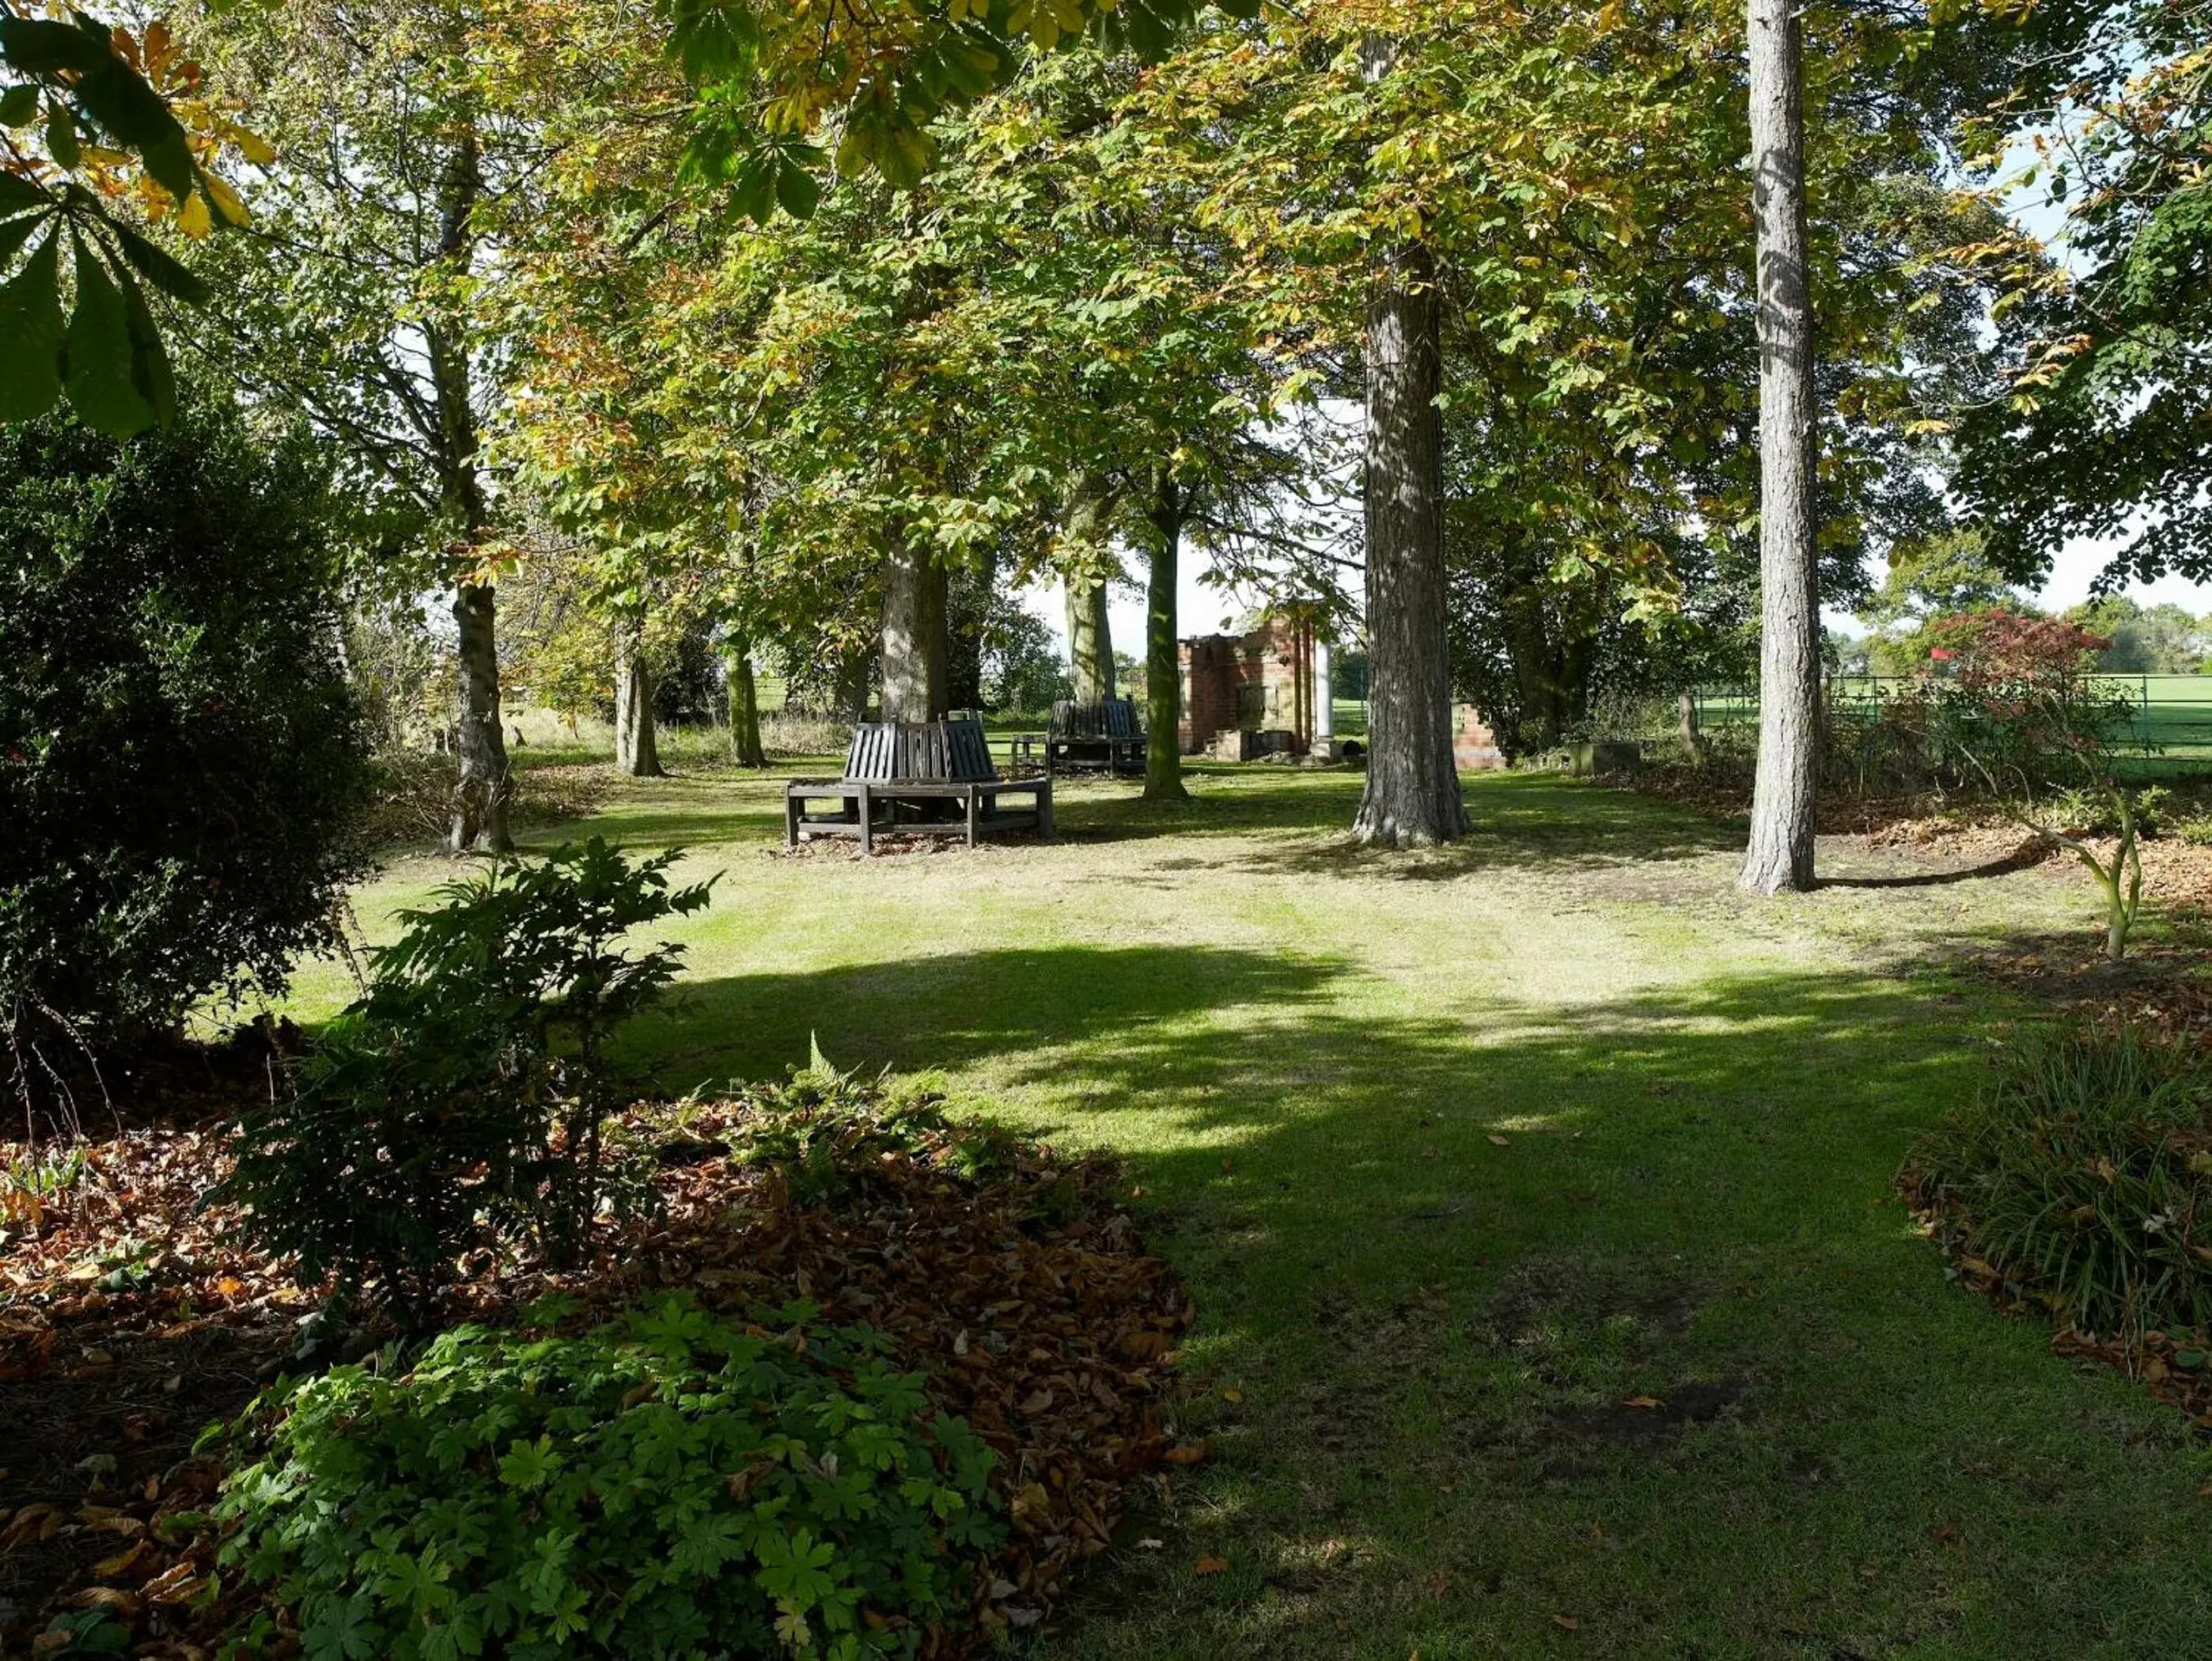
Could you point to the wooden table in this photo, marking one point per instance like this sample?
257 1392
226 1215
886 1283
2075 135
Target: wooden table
857 800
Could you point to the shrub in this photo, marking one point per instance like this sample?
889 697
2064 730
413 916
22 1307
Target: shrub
825 1132
2011 701
179 758
2084 1172
460 1102
668 1486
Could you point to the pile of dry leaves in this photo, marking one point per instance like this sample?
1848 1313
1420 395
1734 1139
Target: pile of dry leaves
130 1317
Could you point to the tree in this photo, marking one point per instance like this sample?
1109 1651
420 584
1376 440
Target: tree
356 302
2103 427
92 152
1412 797
1780 856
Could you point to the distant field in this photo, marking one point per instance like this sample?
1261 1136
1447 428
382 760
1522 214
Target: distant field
2172 714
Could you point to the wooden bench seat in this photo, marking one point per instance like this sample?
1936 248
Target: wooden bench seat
1108 733
868 807
915 778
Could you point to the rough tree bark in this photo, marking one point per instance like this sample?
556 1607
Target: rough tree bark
1163 661
1780 856
1089 642
851 696
637 743
745 748
916 646
1090 637
480 793
1412 797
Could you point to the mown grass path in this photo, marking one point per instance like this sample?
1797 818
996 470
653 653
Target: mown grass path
1461 1153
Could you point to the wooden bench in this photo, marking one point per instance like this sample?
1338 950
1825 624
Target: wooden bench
916 778
1107 734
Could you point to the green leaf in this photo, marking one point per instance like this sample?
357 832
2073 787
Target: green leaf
14 233
36 45
31 321
158 268
18 104
796 188
61 138
97 354
752 187
149 360
17 194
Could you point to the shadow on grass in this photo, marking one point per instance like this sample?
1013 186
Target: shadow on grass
962 1007
1436 1253
2022 859
1518 821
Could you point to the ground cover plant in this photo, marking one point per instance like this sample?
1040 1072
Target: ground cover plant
895 1414
671 1484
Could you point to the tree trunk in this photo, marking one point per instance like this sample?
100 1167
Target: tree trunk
481 791
1162 663
1089 642
745 747
1686 724
1412 797
852 694
1781 852
637 748
916 643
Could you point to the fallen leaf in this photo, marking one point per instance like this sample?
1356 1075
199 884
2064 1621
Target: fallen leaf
1499 1141
1646 1402
1211 1565
109 1568
1188 1453
1232 1396
1566 1623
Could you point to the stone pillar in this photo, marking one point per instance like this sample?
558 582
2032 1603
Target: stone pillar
1324 702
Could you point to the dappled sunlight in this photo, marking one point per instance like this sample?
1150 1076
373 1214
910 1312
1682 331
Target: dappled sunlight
1456 1167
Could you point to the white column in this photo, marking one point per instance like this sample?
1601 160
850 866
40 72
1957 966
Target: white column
1324 696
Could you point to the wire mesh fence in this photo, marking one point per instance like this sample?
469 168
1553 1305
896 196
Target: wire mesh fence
2169 724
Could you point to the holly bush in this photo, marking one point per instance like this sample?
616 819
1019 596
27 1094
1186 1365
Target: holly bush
179 758
669 1484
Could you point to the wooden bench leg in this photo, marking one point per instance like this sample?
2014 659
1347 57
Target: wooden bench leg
868 823
1044 809
791 804
972 812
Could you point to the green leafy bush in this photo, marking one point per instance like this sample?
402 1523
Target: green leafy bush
2084 1172
668 1486
460 1102
824 1131
180 761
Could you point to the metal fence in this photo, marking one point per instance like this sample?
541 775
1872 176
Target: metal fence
2169 720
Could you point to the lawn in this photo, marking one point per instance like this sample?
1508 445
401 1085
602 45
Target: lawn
1462 1154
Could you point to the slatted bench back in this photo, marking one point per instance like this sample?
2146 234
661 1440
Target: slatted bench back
955 751
1111 718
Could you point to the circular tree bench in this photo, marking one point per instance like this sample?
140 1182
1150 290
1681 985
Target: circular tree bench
918 778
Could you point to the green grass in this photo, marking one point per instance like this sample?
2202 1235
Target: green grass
1305 1054
2171 715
